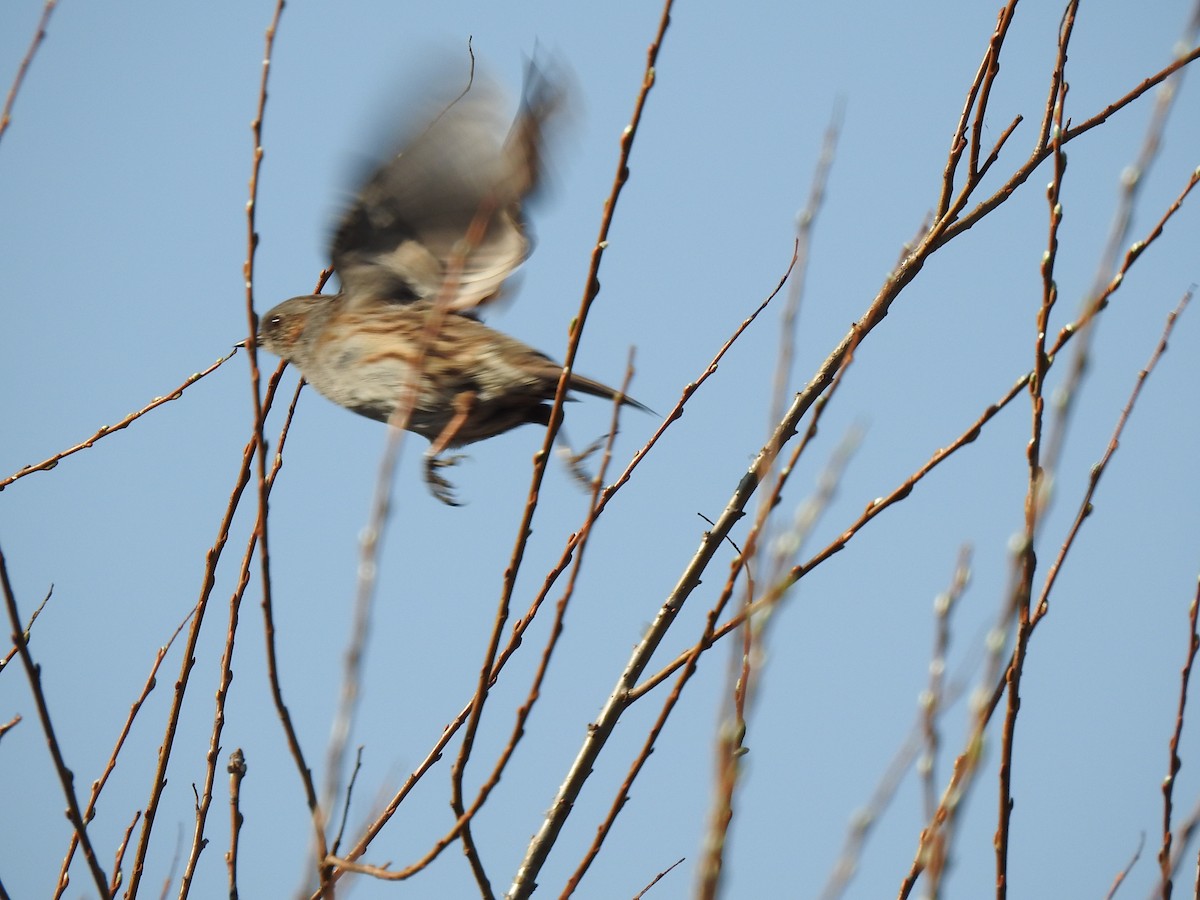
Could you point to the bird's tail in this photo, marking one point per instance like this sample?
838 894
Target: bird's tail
597 389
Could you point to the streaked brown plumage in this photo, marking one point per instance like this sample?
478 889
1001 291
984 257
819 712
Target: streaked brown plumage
434 232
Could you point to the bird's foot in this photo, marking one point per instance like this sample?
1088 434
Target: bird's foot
439 486
574 462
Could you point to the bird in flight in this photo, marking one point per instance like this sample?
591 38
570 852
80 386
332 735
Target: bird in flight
430 238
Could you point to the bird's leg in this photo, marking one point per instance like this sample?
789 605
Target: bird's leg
574 461
439 486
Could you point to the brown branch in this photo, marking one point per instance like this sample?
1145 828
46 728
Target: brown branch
28 629
657 878
797 275
208 582
744 667
1037 489
463 814
6 727
51 462
560 611
1000 142
39 35
990 71
337 841
1176 763
556 627
1105 281
958 143
934 701
383 873
65 776
237 771
879 504
1085 507
732 732
259 445
225 676
522 625
691 660
527 873
591 291
873 509
1183 838
99 783
602 728
921 742
1043 151
119 856
635 768
381 502
967 763
1064 337
256 446
1124 873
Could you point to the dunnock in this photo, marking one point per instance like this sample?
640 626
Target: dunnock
431 236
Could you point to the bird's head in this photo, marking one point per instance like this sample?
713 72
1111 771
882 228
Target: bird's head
281 329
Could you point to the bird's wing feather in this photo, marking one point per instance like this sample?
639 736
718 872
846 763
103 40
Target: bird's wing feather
445 212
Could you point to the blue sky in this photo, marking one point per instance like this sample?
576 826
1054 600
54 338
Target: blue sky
123 184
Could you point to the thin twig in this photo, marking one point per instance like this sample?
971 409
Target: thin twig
745 664
934 700
465 814
39 35
1183 839
915 749
951 225
208 582
657 878
1039 476
237 772
732 732
28 628
1108 266
260 454
371 538
524 529
1124 873
105 430
526 875
65 776
99 783
990 71
118 857
966 764
959 142
1176 763
225 676
522 625
337 841
1085 508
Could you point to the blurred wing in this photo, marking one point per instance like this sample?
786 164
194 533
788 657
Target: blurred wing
448 205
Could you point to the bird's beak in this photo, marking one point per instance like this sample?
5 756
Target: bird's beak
243 344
